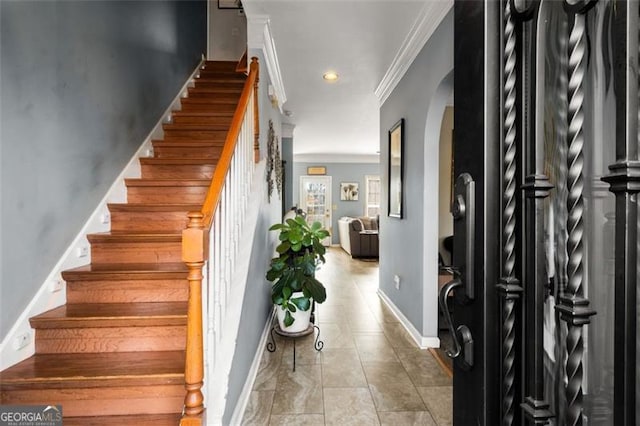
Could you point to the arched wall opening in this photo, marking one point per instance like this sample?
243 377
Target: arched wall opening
431 208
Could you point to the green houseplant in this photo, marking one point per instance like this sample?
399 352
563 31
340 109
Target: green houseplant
292 272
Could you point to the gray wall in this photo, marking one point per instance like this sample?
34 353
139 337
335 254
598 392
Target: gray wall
83 82
257 302
228 34
402 240
287 155
339 172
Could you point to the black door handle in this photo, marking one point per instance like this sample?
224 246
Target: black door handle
442 301
461 336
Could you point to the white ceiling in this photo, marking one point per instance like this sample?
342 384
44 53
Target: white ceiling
356 38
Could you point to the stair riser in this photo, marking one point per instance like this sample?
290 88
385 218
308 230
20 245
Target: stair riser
226 85
149 221
187 152
211 101
110 339
221 122
226 96
219 69
199 135
167 194
138 252
188 171
196 127
104 400
140 420
127 291
207 107
229 73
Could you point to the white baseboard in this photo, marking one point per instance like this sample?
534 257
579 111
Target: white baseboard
19 343
243 399
424 342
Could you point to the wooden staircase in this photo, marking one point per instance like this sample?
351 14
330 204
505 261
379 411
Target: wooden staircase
115 353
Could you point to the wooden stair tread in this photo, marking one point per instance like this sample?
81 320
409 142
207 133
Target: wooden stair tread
216 90
152 207
223 114
127 236
213 100
137 420
96 369
112 315
118 271
178 141
220 64
189 143
191 127
222 79
177 161
166 182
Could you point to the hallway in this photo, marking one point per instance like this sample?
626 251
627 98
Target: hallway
370 371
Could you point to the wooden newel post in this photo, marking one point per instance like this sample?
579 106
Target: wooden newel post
194 253
256 117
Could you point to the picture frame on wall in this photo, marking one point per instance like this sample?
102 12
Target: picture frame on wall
229 4
396 169
349 191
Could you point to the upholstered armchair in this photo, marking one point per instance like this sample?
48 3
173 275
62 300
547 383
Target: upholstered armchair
363 237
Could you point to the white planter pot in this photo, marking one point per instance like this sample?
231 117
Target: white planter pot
301 319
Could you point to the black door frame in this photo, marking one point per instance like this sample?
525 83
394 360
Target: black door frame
477 123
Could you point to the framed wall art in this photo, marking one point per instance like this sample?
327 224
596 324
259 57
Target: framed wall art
348 191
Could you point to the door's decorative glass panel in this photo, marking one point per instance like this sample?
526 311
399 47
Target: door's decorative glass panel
578 121
315 201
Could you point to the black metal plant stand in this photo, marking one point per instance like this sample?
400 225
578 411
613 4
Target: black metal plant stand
318 344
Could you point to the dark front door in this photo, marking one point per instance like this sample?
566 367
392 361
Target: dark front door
546 212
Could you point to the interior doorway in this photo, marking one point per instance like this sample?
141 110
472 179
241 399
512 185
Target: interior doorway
315 201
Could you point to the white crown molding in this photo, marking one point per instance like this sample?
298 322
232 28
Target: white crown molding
287 130
430 16
259 37
337 158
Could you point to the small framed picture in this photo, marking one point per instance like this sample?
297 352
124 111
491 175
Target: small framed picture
348 191
229 4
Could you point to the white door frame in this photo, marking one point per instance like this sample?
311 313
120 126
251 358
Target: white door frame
327 217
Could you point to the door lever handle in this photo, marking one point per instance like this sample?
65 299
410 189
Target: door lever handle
461 333
442 301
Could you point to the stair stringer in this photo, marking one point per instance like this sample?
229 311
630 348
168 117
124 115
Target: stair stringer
19 343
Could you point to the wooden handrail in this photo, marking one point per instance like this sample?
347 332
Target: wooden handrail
195 247
242 63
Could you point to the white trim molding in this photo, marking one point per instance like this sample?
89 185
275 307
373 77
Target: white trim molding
243 399
337 158
429 17
259 37
287 130
423 342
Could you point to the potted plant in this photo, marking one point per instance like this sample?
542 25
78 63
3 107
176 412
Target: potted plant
292 272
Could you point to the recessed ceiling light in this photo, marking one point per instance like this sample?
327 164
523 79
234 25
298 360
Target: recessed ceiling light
330 76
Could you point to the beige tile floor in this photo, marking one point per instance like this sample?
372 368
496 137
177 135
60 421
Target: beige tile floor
370 372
